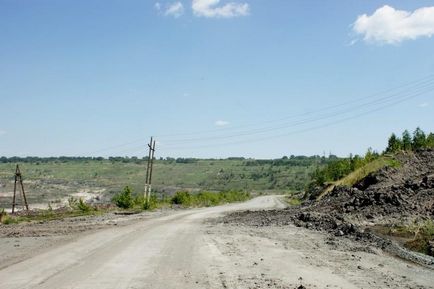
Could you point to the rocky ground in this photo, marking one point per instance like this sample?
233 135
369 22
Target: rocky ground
404 193
389 197
195 249
290 257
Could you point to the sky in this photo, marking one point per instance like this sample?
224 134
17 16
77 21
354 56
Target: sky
210 78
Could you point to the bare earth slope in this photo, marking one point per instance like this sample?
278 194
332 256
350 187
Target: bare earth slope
195 249
390 197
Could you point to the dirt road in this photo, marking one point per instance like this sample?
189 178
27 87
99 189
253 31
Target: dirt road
189 250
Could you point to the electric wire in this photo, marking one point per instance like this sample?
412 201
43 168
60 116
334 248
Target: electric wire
419 87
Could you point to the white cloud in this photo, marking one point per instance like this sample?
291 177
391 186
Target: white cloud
221 123
209 8
157 6
390 26
2 132
425 104
175 9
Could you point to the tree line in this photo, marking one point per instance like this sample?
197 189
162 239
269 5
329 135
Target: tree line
408 142
340 168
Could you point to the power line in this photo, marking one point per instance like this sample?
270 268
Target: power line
425 84
301 122
423 80
297 131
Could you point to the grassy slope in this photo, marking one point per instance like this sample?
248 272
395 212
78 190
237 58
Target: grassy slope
356 176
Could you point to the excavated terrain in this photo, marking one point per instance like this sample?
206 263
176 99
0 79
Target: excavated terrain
389 197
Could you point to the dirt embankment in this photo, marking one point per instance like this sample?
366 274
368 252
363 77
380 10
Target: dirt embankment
390 197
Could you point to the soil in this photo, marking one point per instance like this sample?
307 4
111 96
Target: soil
18 241
194 249
391 196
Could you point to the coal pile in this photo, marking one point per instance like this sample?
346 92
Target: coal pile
404 192
387 197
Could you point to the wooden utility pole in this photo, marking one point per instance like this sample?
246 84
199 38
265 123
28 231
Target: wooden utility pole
147 171
19 178
149 167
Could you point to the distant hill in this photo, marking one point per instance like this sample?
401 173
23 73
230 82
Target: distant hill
54 179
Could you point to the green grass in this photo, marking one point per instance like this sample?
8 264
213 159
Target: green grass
362 172
49 215
207 199
415 236
56 180
293 201
78 207
423 234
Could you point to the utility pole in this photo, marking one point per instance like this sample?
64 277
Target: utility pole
19 178
148 182
147 172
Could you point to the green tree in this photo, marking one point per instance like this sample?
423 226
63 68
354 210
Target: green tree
124 199
419 139
406 140
370 155
430 141
394 144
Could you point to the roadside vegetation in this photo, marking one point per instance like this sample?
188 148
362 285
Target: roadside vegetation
125 200
75 208
128 202
418 236
349 171
423 237
207 199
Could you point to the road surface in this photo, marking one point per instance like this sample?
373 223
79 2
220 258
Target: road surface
183 250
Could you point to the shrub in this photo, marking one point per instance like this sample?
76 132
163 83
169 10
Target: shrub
139 200
7 219
76 204
181 198
423 235
208 199
2 215
72 202
124 199
83 207
151 204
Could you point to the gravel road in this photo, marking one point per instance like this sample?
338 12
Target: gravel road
192 249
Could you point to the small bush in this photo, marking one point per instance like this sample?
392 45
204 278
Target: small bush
2 215
83 207
7 219
207 199
423 235
75 204
292 201
124 199
151 204
181 198
72 203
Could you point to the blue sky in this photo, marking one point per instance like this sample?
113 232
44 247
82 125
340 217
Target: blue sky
212 78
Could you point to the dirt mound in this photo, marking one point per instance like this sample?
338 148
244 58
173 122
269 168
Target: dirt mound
391 193
389 197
